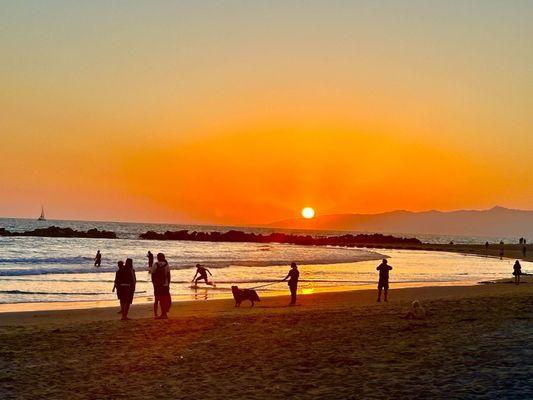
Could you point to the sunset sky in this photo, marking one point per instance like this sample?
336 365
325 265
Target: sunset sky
243 112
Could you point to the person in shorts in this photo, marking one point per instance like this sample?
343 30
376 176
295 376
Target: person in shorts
383 283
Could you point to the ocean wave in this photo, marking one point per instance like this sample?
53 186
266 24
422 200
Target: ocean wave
88 268
46 260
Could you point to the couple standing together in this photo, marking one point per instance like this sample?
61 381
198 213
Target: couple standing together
160 273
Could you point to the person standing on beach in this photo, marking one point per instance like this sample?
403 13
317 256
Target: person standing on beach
150 259
517 271
502 248
201 271
383 282
125 281
120 265
98 259
293 277
160 272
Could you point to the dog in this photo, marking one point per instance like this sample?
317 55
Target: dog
244 294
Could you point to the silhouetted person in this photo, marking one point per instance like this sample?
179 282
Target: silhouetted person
502 248
161 280
125 281
201 271
524 250
150 259
517 271
486 246
120 265
293 277
98 259
383 282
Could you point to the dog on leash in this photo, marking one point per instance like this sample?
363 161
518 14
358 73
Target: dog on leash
244 294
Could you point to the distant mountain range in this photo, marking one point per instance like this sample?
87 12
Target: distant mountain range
496 222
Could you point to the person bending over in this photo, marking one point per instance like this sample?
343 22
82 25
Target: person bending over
202 272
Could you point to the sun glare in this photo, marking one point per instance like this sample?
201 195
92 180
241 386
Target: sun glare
308 212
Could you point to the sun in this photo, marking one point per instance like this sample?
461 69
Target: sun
308 212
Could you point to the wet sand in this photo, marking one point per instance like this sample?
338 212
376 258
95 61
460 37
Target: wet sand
475 343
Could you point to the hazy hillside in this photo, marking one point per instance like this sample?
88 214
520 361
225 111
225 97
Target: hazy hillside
497 221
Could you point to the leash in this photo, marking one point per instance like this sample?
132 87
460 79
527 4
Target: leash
268 284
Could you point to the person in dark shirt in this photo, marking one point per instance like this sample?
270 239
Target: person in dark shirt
517 271
383 282
202 271
160 272
98 259
150 259
293 277
125 281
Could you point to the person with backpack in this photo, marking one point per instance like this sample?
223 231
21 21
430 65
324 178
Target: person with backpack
160 272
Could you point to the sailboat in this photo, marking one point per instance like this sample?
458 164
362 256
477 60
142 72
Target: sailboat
41 217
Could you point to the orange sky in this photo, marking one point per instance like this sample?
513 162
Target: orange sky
240 115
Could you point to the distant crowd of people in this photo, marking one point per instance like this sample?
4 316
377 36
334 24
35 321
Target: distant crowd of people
125 282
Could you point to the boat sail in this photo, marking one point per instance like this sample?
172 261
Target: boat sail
41 217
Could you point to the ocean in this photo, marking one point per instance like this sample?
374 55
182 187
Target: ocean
49 270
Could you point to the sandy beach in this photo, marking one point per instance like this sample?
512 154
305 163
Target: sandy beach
475 343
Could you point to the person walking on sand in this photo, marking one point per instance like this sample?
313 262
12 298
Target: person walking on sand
125 282
201 272
98 259
293 277
517 271
383 282
160 272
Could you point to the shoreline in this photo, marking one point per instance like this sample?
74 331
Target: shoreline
143 300
143 309
184 294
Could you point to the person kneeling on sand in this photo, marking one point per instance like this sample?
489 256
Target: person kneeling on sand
416 311
160 272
